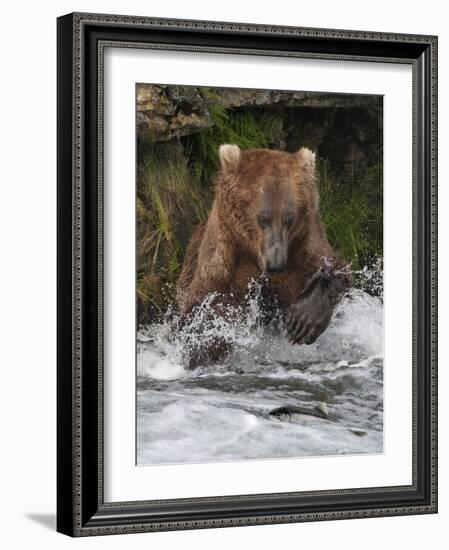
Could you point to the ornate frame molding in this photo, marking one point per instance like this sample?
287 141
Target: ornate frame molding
81 509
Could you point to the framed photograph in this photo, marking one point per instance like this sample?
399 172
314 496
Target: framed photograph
247 278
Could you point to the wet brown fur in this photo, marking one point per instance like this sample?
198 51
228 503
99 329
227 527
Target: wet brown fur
224 253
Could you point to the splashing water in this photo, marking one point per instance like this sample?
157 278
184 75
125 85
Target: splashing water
221 411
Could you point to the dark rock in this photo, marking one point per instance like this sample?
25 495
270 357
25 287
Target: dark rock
167 112
288 410
359 433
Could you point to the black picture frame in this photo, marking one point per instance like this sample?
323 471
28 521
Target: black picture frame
81 509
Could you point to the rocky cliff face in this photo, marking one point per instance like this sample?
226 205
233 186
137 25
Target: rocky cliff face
167 112
344 127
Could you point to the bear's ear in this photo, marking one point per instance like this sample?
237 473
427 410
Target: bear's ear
307 159
229 156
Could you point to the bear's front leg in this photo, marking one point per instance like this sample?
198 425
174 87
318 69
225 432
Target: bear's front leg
309 317
199 354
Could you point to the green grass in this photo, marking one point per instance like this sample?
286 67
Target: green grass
351 209
169 203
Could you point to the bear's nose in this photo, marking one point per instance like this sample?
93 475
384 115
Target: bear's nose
276 258
274 269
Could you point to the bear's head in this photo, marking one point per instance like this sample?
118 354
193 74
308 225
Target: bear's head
266 199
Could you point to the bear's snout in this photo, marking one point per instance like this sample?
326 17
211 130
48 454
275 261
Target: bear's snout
276 258
275 269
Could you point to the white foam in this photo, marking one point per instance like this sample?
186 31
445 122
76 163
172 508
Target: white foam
355 334
151 365
220 412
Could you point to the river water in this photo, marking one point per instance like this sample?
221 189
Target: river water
222 412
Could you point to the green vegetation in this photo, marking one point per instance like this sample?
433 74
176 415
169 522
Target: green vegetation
175 190
169 206
351 209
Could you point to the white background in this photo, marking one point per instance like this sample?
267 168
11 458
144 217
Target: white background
27 218
123 481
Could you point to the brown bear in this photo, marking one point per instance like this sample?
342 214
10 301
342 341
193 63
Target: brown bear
264 222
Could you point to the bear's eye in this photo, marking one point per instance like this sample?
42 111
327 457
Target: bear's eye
263 220
288 220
